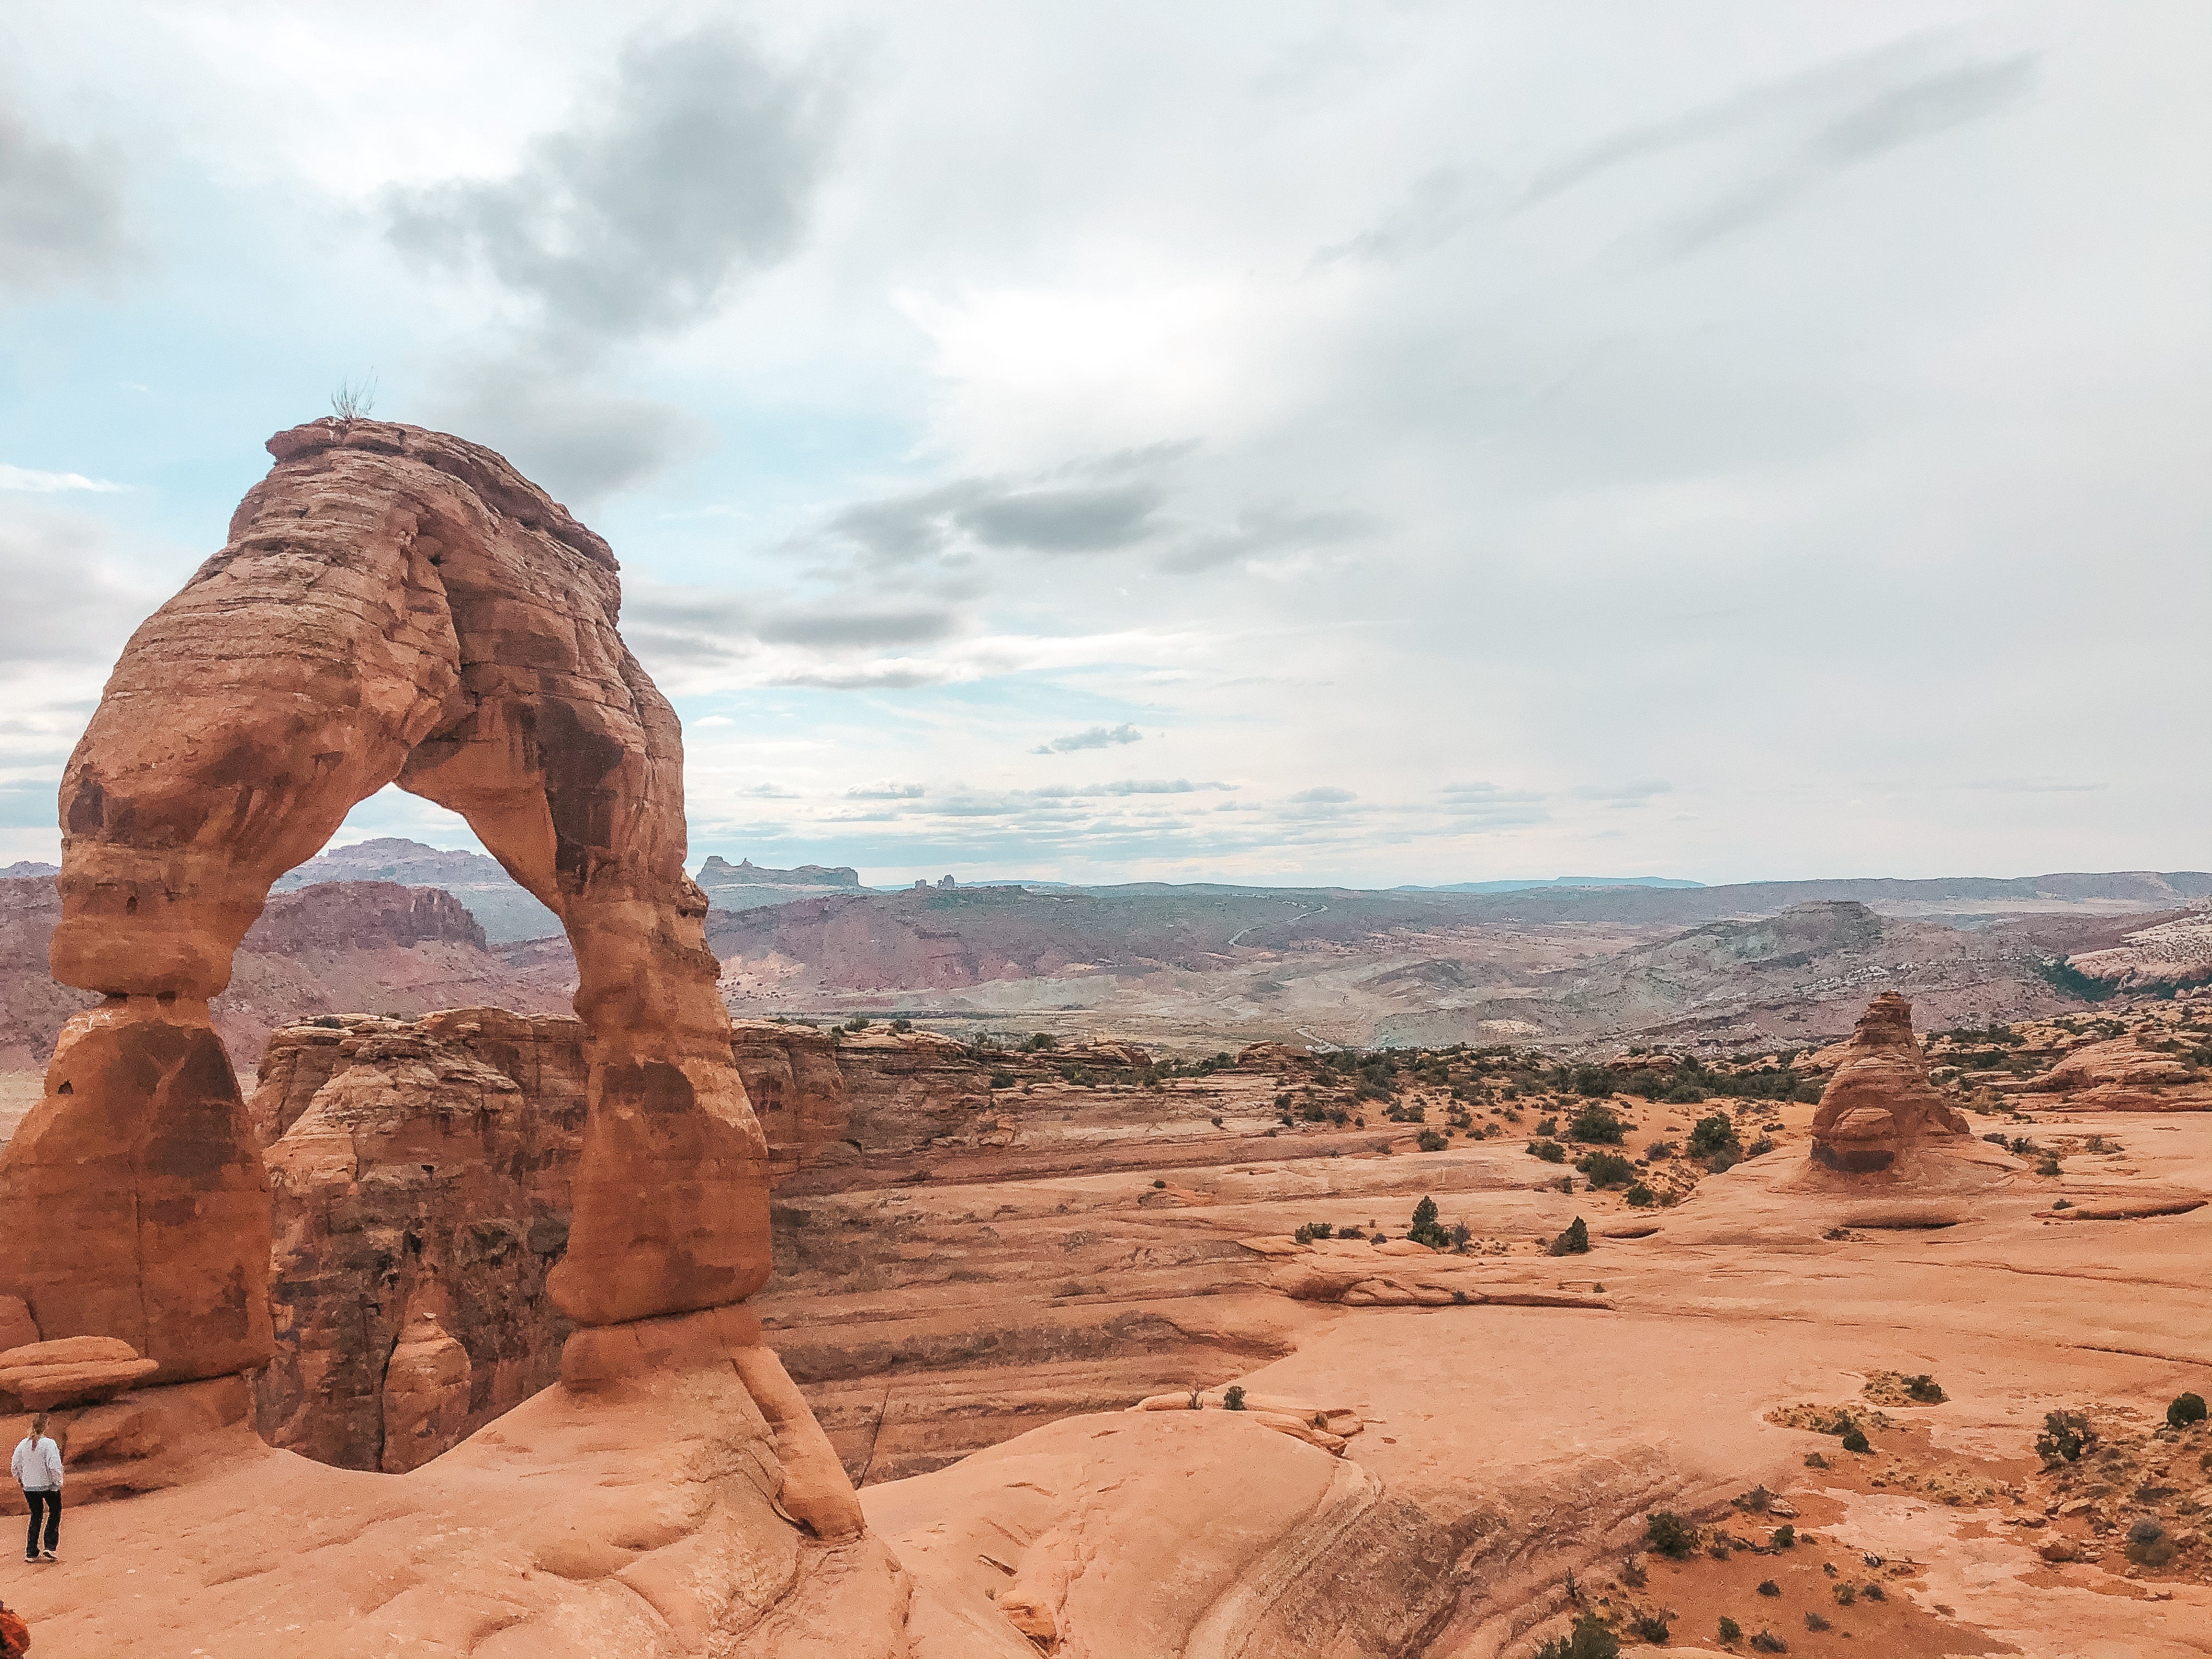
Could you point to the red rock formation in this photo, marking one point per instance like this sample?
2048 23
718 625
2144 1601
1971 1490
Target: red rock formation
421 1176
1880 1102
333 947
393 605
793 1080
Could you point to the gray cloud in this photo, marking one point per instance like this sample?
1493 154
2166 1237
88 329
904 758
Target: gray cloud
1325 794
1064 520
838 625
1643 790
1125 786
1098 737
695 624
697 169
61 211
64 607
886 791
1269 530
581 441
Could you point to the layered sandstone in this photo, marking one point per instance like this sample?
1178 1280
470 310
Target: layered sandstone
1880 1102
393 605
421 1175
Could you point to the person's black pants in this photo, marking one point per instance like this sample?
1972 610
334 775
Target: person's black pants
51 1504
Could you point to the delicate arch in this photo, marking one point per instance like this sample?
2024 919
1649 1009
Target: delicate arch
393 605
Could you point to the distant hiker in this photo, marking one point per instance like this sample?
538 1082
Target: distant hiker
15 1633
37 1467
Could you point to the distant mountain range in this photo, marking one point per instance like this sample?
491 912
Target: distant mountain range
1554 881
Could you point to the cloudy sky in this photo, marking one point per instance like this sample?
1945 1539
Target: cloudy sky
1287 442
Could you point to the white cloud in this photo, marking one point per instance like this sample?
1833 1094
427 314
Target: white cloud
31 481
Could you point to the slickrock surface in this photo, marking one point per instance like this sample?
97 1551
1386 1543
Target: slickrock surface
1881 1102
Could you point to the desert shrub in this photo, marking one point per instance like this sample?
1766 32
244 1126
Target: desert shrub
1548 1126
2071 982
1659 1151
1002 1079
1760 1147
1874 1592
1768 1587
1430 1141
1846 1595
1596 1081
1641 1196
1596 1124
1649 1627
858 1023
1730 1630
2065 1437
1550 1150
1573 1242
1768 1642
1683 1094
1633 1573
1856 1440
1785 1537
1567 1183
2148 1545
1997 1139
1714 1135
1233 1400
1314 1230
1460 1232
1590 1640
902 1026
1424 1229
1925 1389
1666 1534
1607 1169
1040 1039
1813 1621
2186 1409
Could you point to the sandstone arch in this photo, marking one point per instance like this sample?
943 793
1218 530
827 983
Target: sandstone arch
393 605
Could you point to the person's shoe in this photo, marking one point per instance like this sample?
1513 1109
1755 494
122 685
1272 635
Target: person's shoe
33 1558
48 1555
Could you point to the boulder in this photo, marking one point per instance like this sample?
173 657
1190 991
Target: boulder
73 1371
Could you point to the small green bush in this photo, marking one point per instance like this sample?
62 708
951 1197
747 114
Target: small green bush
1730 1630
1002 1079
1590 1640
1607 1169
1846 1595
1856 1440
1641 1196
1649 1627
2065 1437
2186 1409
1314 1230
902 1026
1596 1124
1425 1228
1666 1534
1925 1389
1042 1040
1785 1537
1430 1141
1768 1642
1768 1587
1813 1621
1550 1150
1233 1398
1713 1136
2148 1545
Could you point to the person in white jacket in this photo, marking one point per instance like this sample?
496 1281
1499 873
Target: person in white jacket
37 1467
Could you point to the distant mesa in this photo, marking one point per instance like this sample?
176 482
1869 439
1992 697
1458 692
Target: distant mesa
25 868
718 872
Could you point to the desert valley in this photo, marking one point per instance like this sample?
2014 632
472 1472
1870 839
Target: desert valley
844 928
